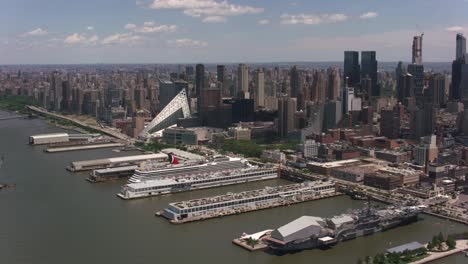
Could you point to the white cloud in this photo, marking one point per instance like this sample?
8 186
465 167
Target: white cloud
190 43
130 26
312 19
122 38
214 19
206 8
151 27
263 22
369 15
78 38
90 28
454 29
36 32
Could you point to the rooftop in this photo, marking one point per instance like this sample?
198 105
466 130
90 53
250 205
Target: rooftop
409 246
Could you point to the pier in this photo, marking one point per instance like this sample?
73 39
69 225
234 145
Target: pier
236 203
462 246
83 147
87 165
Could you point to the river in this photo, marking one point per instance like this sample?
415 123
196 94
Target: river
54 216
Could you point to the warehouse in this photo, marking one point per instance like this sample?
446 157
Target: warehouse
48 138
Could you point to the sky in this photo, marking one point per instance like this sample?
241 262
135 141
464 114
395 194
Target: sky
231 31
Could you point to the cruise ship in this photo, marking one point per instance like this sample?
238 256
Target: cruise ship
309 232
235 203
153 170
202 178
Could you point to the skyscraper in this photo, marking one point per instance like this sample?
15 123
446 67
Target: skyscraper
351 68
199 78
220 73
456 89
295 82
369 68
460 47
286 110
390 122
259 88
417 70
417 49
242 81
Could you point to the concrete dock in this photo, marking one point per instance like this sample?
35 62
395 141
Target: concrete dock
83 147
462 245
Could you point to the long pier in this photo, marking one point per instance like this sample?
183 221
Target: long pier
83 147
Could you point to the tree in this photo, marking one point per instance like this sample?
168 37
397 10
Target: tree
451 243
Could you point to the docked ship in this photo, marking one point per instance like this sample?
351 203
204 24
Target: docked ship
309 232
204 176
156 170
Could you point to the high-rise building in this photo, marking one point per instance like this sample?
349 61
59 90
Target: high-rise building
390 122
369 68
296 88
423 121
417 49
199 78
189 70
456 90
220 73
286 110
464 84
436 91
242 81
417 70
259 88
351 68
334 83
460 47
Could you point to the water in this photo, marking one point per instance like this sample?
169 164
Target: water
54 216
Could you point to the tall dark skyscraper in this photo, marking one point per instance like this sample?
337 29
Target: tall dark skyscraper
351 68
295 82
369 68
199 78
417 70
220 73
457 64
199 83
460 47
417 49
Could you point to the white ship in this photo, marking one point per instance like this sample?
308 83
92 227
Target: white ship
202 178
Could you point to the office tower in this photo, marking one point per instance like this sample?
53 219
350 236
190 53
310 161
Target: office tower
351 68
423 121
332 114
456 90
460 47
242 81
417 70
417 49
390 122
220 74
168 90
366 86
199 78
259 88
319 87
189 70
334 83
405 88
369 68
436 91
295 83
286 110
352 102
464 84
56 91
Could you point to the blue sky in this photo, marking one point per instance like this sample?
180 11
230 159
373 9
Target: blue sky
177 31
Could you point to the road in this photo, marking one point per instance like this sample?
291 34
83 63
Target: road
105 130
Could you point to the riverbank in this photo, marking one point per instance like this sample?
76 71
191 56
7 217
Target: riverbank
461 246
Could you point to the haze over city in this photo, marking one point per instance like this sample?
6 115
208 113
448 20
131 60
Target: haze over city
176 31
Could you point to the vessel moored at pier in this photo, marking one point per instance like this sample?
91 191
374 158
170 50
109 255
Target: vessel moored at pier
171 184
234 203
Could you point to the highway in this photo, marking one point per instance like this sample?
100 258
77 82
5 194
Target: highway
105 130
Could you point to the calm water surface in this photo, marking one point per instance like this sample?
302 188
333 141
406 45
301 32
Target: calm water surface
54 216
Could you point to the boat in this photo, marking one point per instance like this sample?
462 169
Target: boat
309 232
200 178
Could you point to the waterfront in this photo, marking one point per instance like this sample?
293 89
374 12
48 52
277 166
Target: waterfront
54 216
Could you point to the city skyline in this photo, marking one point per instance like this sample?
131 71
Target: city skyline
189 31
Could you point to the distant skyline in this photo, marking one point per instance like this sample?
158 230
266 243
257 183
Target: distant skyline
190 31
